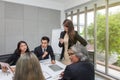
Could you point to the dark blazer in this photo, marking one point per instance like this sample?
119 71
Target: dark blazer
12 60
71 43
38 52
79 71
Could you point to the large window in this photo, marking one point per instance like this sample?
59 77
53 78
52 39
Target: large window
114 41
90 23
81 24
75 22
105 39
69 17
101 26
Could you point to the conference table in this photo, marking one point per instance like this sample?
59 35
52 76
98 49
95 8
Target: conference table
50 71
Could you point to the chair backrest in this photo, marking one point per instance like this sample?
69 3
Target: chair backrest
3 58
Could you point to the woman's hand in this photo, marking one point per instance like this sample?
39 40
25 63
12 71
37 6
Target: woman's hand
4 66
61 40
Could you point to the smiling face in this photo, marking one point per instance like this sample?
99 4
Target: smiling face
23 47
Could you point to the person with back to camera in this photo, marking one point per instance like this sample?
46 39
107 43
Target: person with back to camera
80 68
44 50
69 37
21 49
28 68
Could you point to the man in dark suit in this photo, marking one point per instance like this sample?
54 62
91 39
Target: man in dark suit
81 68
44 50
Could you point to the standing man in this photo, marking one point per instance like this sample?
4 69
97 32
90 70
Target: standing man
44 50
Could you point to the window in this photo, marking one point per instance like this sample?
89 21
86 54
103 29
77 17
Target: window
75 22
90 30
114 41
112 57
101 27
81 24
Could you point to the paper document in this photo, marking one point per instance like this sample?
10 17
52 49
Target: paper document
46 75
55 67
10 70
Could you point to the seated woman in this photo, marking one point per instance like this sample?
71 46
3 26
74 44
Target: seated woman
28 68
22 48
80 68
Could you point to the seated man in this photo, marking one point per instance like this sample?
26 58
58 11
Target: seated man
44 50
81 68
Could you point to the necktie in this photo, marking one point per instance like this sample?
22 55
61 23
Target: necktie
44 49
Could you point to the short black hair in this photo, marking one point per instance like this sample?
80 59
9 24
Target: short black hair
45 38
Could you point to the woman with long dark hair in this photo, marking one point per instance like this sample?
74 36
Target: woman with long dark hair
21 49
69 37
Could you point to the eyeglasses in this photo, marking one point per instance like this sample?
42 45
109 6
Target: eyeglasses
70 54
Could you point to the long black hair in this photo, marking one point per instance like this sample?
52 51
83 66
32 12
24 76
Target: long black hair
18 47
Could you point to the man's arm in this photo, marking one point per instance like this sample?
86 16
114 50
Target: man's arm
51 53
37 53
67 75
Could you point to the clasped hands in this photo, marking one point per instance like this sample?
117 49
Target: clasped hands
45 54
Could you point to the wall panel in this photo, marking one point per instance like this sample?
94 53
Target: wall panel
2 28
31 26
23 22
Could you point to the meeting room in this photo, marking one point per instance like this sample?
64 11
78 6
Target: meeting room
59 40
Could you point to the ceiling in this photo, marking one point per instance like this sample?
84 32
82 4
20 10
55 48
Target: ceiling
68 3
53 4
60 1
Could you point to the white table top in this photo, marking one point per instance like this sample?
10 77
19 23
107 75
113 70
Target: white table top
47 71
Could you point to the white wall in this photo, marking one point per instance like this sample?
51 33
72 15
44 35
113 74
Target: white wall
23 22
